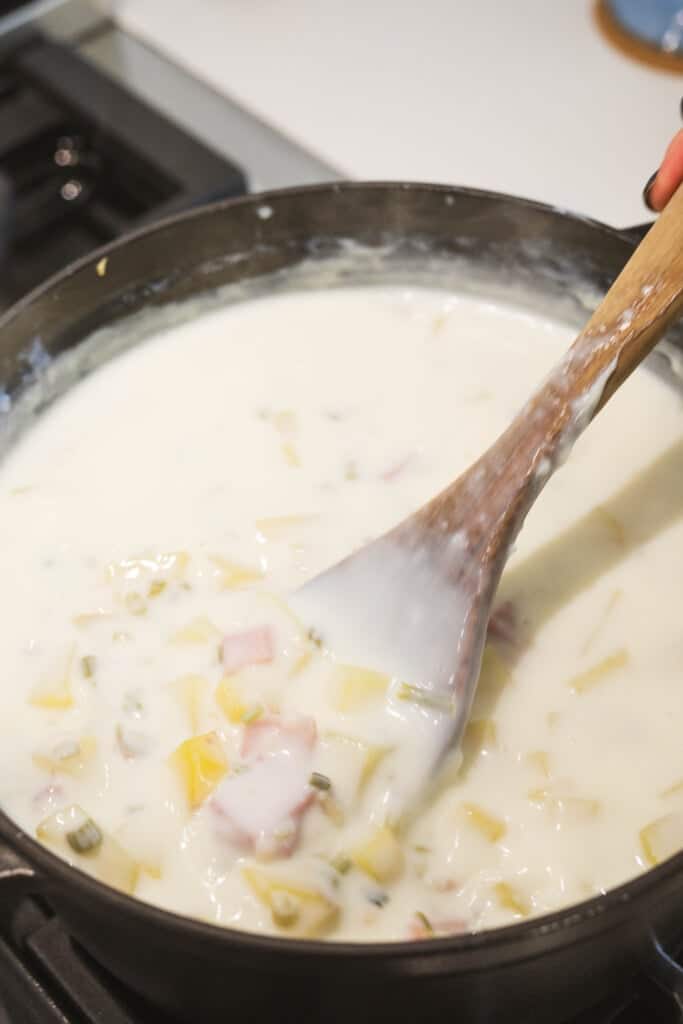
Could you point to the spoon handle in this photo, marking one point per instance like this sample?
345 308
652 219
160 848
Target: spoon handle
645 299
491 499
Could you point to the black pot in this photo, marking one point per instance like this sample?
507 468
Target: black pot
543 970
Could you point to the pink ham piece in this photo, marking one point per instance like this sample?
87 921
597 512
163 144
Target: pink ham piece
261 808
250 647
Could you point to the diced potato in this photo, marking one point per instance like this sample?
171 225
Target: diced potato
302 662
374 754
191 691
280 527
73 757
284 421
357 688
200 631
201 764
107 860
539 761
511 898
290 454
234 576
54 692
490 827
662 838
91 618
230 700
380 856
135 603
141 837
565 807
170 563
585 681
300 909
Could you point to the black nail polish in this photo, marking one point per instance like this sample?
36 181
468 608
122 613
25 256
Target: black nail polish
646 191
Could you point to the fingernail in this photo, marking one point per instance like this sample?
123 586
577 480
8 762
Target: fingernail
648 188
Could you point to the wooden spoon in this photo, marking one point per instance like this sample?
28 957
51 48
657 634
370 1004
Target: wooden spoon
416 602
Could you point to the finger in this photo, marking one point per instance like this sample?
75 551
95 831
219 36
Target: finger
669 176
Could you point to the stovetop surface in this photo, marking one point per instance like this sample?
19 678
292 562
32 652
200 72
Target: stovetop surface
82 161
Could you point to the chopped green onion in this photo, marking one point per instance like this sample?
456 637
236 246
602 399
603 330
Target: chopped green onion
418 695
285 909
87 838
156 587
424 921
88 665
252 714
320 781
341 863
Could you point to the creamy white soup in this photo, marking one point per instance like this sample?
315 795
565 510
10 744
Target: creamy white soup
170 726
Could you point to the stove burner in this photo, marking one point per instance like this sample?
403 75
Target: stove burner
82 161
45 978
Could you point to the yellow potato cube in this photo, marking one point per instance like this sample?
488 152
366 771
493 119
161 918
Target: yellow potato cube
191 691
381 856
201 764
291 456
359 687
300 909
54 692
511 898
539 761
73 834
71 757
230 701
585 681
234 576
490 827
200 631
662 838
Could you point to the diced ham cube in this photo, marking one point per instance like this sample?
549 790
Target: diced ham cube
271 733
260 809
250 647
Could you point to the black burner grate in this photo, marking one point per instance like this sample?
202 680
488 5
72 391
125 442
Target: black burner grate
82 161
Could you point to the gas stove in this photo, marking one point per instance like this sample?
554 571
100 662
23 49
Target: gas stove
99 136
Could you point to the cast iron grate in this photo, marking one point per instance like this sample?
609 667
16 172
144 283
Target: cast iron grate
82 161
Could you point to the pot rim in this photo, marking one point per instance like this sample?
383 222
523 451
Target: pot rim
608 907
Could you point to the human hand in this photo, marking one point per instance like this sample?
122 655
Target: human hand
667 178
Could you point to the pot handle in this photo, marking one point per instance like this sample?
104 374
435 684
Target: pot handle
17 878
666 973
636 233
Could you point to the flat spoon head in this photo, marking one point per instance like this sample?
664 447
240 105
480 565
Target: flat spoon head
415 603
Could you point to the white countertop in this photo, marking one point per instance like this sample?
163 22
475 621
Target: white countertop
523 97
